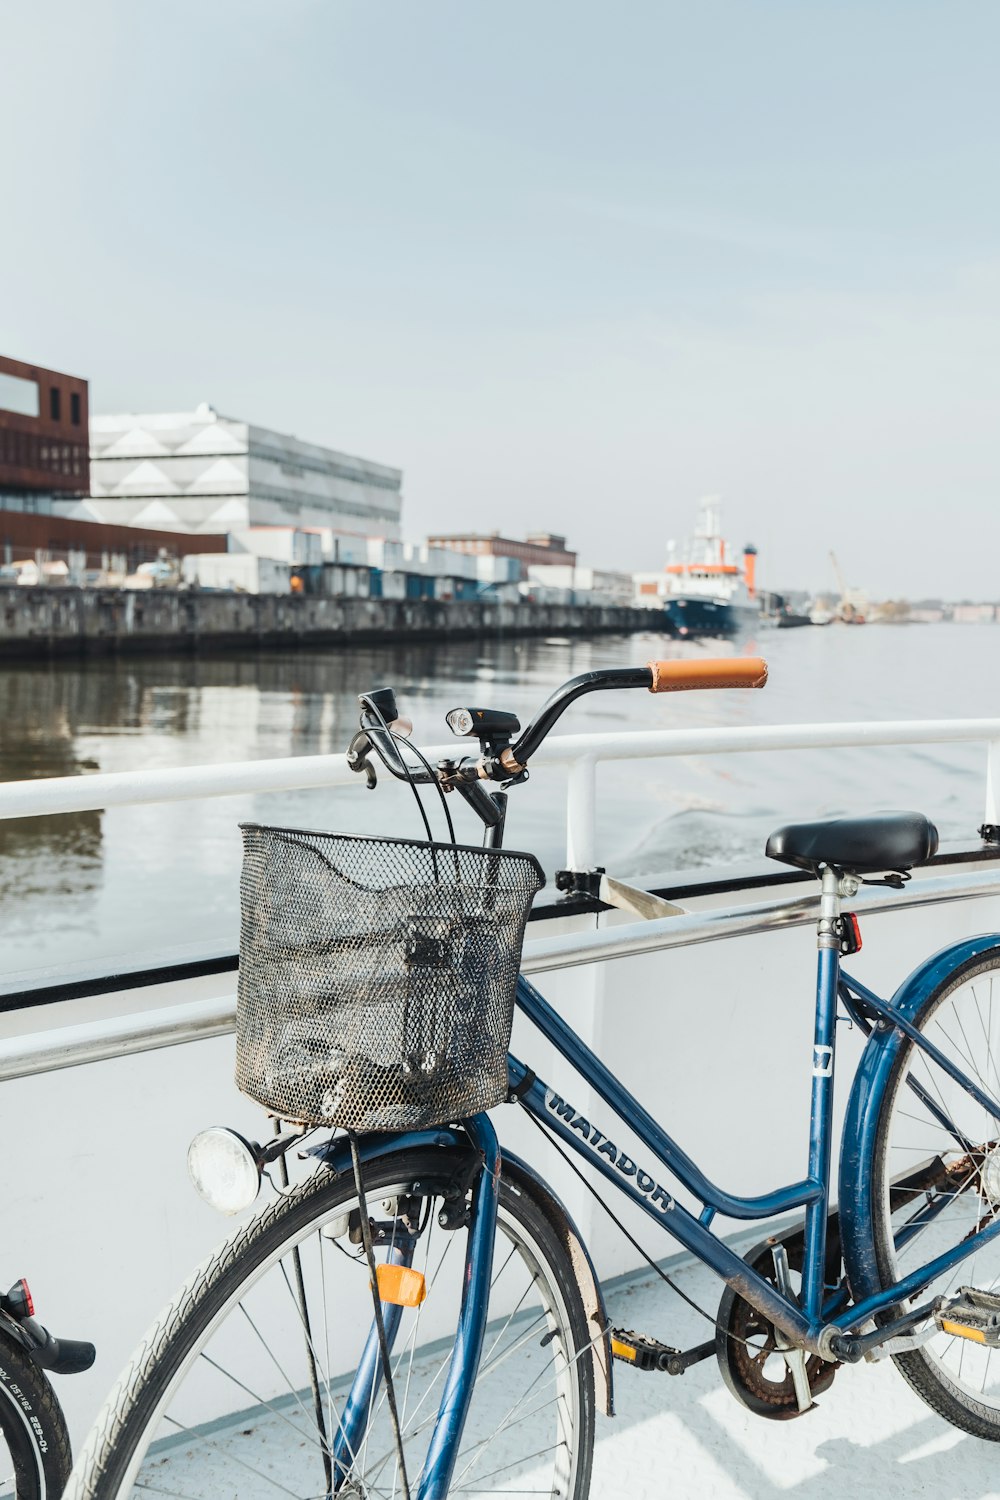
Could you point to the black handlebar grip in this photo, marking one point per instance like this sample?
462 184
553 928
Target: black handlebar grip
62 1356
74 1356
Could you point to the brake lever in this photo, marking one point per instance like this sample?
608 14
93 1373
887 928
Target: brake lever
357 758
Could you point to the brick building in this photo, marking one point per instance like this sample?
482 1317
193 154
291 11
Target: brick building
44 442
540 547
26 535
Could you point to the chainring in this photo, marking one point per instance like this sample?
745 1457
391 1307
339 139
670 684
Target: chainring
749 1358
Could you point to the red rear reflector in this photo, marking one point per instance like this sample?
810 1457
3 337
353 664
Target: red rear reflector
856 929
29 1301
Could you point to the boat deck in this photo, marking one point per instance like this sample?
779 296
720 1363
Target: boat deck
686 1436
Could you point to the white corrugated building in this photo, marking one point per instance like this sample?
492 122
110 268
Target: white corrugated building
198 471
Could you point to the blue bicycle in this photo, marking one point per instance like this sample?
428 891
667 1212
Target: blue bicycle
417 1314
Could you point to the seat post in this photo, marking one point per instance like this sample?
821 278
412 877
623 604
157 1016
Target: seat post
827 935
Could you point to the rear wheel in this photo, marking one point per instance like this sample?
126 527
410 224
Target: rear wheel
245 1384
34 1443
937 1182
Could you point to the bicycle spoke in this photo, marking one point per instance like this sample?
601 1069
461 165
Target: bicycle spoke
260 1400
513 1314
933 1082
411 1345
953 1196
491 1436
443 1366
292 1390
475 1453
200 1437
582 1352
458 1488
967 1057
331 1404
156 1489
380 1462
986 1028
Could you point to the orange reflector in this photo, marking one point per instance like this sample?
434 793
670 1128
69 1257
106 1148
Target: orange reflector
963 1331
401 1284
622 1351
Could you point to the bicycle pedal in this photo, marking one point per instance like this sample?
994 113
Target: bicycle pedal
972 1315
642 1352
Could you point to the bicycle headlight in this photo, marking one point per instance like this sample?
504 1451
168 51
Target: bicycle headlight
460 721
224 1168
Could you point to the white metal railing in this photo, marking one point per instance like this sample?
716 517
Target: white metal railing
581 752
148 1031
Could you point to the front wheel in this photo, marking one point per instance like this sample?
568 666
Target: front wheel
250 1383
936 1182
34 1443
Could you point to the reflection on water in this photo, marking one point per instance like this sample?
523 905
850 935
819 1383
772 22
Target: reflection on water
79 888
45 859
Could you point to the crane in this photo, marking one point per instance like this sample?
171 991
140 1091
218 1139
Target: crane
847 611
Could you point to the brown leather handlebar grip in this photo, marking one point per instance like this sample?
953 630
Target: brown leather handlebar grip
716 672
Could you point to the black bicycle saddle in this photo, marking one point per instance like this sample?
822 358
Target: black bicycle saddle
861 846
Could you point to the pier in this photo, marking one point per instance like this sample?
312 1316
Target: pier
46 622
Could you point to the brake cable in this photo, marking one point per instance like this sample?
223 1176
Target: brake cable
554 1141
402 740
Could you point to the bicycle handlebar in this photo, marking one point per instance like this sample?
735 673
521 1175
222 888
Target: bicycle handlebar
656 676
512 760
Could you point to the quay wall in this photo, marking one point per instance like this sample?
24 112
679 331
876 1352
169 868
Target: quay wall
41 622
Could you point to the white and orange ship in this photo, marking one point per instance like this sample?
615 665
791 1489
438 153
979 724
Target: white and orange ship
706 591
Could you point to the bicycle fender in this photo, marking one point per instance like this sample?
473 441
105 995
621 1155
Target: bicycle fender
12 1330
871 1080
526 1180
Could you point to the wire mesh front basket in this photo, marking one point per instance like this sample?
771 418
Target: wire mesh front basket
377 976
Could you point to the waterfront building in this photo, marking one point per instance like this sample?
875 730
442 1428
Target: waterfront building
540 547
90 550
973 614
43 436
44 472
198 471
584 585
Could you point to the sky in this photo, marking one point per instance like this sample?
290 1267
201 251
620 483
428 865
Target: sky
570 265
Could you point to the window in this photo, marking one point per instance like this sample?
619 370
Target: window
18 394
55 402
74 408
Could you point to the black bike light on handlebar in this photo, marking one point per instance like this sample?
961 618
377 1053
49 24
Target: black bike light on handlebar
487 724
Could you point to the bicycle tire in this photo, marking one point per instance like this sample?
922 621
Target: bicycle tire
959 1380
127 1443
34 1443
